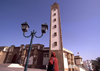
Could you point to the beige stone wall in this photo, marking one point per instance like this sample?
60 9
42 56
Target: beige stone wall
37 55
45 60
11 54
78 61
9 57
40 58
66 69
37 58
0 54
3 56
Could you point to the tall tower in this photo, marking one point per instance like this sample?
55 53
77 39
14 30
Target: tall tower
56 36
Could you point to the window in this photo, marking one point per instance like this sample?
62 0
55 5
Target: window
72 57
55 34
72 62
69 56
46 55
27 48
69 69
55 43
54 14
35 55
72 69
35 47
38 47
55 26
20 49
32 48
41 48
54 20
54 9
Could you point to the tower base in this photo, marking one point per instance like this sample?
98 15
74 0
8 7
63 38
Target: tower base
59 56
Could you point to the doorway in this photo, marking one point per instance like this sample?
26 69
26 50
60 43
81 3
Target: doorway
14 58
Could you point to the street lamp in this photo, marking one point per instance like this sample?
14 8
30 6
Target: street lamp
25 28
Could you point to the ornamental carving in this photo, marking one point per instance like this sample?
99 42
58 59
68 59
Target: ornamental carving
72 57
24 52
11 48
69 56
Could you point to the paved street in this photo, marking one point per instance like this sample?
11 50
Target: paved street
4 67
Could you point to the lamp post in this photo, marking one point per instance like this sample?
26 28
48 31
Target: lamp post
25 28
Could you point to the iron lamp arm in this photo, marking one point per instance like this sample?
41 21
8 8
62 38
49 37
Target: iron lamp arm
38 36
26 36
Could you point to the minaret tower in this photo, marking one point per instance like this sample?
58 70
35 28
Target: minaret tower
56 36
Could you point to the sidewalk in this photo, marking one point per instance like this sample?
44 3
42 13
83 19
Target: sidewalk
5 67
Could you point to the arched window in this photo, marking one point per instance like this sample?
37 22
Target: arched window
55 26
54 14
55 43
54 9
54 20
55 34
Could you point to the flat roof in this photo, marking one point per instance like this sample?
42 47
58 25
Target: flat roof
66 50
77 56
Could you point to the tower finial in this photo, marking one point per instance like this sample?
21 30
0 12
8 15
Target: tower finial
54 3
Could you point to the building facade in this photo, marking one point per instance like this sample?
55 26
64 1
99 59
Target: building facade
39 55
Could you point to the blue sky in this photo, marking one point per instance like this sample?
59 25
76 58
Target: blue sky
80 23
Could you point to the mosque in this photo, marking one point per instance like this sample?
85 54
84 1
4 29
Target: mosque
40 54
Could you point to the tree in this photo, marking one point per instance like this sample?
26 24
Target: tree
98 59
96 64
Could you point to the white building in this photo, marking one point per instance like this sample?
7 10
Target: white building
87 64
